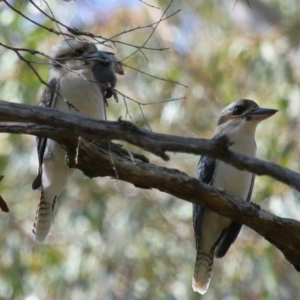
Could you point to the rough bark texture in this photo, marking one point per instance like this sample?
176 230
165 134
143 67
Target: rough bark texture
97 158
21 118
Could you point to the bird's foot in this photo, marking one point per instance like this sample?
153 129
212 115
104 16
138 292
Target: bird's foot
108 92
222 191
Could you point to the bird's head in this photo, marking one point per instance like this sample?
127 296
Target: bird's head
73 54
242 116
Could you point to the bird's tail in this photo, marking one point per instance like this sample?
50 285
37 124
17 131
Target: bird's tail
43 219
202 271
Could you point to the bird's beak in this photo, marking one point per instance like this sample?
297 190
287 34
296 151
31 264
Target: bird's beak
106 52
92 56
117 65
260 114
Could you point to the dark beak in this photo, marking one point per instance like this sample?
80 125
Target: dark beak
259 114
93 56
110 53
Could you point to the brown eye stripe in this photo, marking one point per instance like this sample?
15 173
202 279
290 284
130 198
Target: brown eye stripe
224 119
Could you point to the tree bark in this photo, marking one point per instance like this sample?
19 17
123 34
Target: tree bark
87 144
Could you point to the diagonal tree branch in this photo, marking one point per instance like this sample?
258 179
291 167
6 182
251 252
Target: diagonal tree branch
52 123
94 160
95 157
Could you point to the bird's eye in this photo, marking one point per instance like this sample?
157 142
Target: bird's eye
238 110
77 52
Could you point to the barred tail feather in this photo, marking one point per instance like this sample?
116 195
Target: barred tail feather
43 219
202 271
203 266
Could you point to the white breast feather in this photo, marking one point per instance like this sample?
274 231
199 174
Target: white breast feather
235 183
83 94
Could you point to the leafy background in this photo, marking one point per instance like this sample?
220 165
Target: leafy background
109 239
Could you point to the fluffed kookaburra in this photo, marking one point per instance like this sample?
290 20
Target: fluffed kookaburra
80 80
214 233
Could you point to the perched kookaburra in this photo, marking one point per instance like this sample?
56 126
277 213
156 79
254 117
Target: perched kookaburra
214 233
82 76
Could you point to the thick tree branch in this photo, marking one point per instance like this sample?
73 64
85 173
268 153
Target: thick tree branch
53 123
94 159
79 137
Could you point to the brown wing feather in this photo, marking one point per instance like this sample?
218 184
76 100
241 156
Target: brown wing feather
47 99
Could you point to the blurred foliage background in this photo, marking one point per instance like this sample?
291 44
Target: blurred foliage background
109 239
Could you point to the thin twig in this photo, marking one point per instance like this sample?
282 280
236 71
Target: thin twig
153 76
34 22
129 153
75 31
56 22
145 26
163 101
113 164
127 110
140 107
152 32
149 4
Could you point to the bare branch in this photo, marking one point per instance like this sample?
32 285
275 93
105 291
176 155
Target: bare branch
152 32
156 77
34 22
145 26
75 31
95 159
149 4
284 233
163 101
51 123
140 107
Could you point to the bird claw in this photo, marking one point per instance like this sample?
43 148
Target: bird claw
108 92
222 191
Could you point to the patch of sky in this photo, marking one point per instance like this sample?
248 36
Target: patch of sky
80 13
185 34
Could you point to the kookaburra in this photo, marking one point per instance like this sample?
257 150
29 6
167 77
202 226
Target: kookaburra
80 78
214 233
